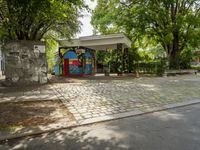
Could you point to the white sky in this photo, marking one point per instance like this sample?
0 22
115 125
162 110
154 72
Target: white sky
86 28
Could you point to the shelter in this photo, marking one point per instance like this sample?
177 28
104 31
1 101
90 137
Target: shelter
77 57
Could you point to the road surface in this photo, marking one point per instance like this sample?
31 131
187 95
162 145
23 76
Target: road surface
176 129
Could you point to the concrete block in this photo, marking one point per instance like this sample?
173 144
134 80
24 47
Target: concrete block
22 64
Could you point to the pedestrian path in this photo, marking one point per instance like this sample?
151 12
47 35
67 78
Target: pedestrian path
98 98
91 101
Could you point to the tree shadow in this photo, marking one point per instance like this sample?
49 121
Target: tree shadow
23 117
152 130
27 93
157 131
74 140
21 88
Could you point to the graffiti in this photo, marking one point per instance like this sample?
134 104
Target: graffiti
76 63
88 69
75 69
79 62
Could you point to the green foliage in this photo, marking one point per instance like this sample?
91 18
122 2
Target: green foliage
104 57
186 57
108 58
133 58
40 20
145 56
172 24
154 67
51 49
32 19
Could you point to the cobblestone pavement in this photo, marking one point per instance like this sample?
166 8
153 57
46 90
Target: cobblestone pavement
89 99
96 98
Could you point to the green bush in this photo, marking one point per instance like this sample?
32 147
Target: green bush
156 67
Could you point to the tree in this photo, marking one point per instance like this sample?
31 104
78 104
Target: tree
32 19
51 50
174 24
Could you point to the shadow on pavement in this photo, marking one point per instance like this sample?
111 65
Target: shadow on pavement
174 130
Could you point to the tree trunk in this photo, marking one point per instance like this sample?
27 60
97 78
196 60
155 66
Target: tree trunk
174 57
174 60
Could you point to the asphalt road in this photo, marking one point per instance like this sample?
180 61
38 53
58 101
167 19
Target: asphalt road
176 129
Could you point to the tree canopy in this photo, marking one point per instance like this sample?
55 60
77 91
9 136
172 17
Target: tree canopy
174 24
32 19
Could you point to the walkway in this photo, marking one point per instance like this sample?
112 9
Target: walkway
176 129
89 99
100 99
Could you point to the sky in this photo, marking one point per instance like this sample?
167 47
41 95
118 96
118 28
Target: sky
86 28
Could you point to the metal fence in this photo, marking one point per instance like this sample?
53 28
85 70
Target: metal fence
157 67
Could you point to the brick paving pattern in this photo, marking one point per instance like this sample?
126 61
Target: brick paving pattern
89 99
96 98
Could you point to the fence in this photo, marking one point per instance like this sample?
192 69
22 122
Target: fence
157 67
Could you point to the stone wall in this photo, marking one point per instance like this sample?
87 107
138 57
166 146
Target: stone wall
0 61
25 62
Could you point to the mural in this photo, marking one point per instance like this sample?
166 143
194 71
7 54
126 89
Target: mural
77 62
88 62
75 67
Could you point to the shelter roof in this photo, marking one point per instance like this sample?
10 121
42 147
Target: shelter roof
98 42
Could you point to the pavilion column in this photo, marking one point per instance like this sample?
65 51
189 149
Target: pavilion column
125 60
119 59
95 62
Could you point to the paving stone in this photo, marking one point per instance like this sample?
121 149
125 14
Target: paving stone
82 110
85 114
73 111
77 115
79 118
95 115
108 113
102 114
116 96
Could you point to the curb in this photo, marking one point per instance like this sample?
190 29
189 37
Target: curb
102 119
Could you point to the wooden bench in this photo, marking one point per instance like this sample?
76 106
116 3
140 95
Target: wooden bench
181 71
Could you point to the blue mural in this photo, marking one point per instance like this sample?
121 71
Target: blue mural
88 66
70 55
88 69
71 63
57 69
75 69
87 55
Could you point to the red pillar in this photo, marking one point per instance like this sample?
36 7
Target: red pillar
66 67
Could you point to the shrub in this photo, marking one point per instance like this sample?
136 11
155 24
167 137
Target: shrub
155 67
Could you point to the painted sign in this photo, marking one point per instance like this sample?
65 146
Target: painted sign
39 48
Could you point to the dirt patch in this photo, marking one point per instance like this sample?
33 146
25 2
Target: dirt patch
33 113
22 88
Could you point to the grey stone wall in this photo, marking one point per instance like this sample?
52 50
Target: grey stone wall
0 61
25 62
